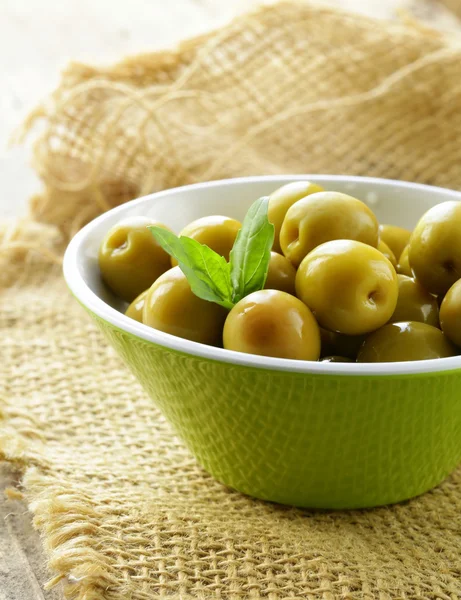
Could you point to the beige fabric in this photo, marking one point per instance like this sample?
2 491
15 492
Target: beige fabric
290 89
453 5
124 511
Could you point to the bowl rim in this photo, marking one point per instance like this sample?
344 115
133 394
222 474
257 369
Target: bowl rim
104 311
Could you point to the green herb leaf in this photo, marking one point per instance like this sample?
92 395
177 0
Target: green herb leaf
207 272
250 256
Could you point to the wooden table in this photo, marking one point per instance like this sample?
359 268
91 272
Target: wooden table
36 41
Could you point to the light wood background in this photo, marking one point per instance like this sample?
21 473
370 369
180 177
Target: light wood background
37 38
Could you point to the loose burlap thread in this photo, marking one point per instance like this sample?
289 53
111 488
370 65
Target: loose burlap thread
123 509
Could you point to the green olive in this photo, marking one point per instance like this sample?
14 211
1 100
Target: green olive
281 274
435 247
216 232
405 341
134 311
336 359
395 237
337 344
350 287
323 217
281 200
130 259
272 323
171 306
384 249
450 313
403 268
415 303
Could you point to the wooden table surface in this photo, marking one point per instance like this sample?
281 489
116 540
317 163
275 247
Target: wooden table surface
36 40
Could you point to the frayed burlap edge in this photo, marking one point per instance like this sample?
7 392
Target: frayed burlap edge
65 522
70 203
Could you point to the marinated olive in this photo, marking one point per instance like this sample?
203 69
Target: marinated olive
408 340
130 259
281 200
323 217
350 305
450 313
435 247
134 311
349 286
415 303
337 344
171 306
395 237
216 232
404 266
335 359
272 323
384 249
281 274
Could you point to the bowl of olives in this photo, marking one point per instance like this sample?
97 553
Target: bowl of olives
302 334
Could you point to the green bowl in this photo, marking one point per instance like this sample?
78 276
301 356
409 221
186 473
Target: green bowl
319 435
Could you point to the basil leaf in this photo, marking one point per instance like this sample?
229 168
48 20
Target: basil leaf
250 255
207 272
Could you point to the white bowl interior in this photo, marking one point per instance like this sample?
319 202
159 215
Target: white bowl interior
395 202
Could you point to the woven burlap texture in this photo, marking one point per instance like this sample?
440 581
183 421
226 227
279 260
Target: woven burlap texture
124 510
292 88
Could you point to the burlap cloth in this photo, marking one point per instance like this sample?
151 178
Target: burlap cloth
124 510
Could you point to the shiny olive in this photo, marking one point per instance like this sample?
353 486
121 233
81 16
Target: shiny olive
272 323
395 237
336 359
384 249
408 340
281 274
337 344
349 286
403 266
323 217
171 306
450 313
134 311
130 259
415 303
435 247
215 231
281 200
